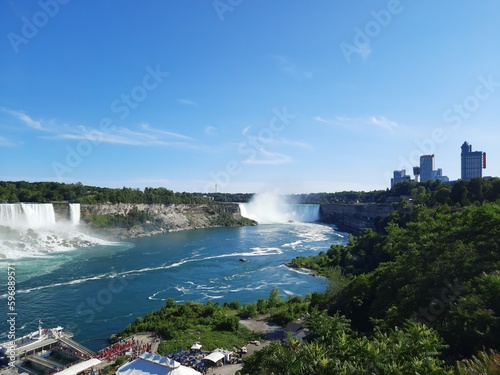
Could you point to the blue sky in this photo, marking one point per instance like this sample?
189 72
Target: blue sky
251 95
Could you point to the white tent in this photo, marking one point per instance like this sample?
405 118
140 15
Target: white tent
215 357
196 346
151 364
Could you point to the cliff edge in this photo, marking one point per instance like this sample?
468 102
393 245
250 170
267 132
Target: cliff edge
121 220
354 218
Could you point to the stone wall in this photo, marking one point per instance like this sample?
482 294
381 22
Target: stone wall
61 211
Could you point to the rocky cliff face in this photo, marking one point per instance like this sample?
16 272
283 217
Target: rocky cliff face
61 211
353 218
167 218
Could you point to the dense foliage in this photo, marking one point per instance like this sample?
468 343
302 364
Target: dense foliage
482 364
226 219
132 218
43 192
279 311
338 349
181 325
442 269
340 197
461 193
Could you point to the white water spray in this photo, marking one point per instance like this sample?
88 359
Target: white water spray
31 229
269 208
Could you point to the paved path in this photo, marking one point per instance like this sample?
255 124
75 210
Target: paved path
147 338
225 370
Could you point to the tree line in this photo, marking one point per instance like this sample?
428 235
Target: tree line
430 193
461 193
46 192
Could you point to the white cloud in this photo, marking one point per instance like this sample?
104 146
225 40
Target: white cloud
264 157
27 120
321 119
245 130
125 136
120 135
164 132
187 102
358 123
384 123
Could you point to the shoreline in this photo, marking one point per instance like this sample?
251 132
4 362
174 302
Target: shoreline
303 270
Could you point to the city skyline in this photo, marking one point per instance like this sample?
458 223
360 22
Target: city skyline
254 96
472 164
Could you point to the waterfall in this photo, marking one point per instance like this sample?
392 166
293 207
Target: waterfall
307 213
30 229
271 209
74 213
27 215
39 214
11 215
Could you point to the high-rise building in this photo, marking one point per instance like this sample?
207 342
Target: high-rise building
399 176
473 162
416 173
438 175
426 167
427 171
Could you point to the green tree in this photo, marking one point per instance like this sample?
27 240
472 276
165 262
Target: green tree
274 298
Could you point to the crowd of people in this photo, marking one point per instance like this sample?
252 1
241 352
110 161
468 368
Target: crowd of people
134 347
129 346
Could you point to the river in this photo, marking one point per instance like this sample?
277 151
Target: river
96 291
